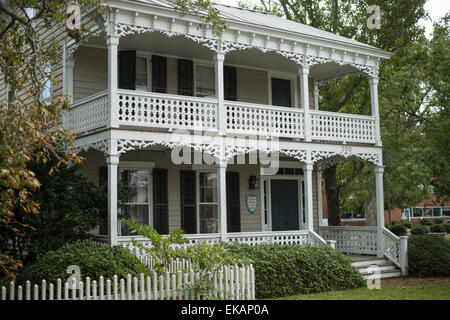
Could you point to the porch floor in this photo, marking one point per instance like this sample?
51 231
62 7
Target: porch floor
359 257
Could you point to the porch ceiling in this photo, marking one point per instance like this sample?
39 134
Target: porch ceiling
179 46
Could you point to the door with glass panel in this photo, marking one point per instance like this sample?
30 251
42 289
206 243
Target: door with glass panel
207 219
137 185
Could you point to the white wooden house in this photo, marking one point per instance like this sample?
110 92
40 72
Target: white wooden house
151 77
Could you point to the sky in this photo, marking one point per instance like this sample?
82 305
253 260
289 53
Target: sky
436 9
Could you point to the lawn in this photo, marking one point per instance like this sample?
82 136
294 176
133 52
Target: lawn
392 289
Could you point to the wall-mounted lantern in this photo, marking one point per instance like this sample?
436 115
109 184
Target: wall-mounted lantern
253 183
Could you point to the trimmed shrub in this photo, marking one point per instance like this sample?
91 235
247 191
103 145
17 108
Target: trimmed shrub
426 222
428 255
438 221
419 229
94 260
407 223
437 228
399 229
447 227
283 270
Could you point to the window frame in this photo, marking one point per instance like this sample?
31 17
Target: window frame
143 166
204 169
203 64
285 76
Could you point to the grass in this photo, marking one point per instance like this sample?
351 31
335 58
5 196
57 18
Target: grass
422 292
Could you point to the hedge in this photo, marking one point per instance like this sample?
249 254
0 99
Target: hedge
428 255
94 260
283 270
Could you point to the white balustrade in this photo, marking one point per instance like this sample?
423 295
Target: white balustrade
89 113
166 111
332 126
354 240
247 118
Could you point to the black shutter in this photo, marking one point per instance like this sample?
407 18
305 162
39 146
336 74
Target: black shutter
159 74
127 69
281 92
103 178
233 202
230 84
160 201
185 77
188 202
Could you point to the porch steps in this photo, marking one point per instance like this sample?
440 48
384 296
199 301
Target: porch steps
365 266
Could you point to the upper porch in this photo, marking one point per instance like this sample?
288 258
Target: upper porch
149 68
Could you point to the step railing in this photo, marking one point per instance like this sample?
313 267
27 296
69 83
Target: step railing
396 249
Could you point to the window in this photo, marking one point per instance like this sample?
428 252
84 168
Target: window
137 184
446 211
417 212
205 82
141 74
281 92
207 203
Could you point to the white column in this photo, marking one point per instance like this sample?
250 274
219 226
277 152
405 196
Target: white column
304 92
112 161
319 197
113 43
222 197
307 172
220 93
373 82
316 95
380 208
69 65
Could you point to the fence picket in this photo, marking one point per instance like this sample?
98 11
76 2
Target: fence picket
11 291
94 290
101 288
122 289
115 287
58 289
20 293
50 291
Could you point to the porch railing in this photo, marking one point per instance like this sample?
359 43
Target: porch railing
363 240
134 108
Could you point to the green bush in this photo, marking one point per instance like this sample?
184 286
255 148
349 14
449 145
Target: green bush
438 221
447 227
428 255
282 270
437 228
407 223
426 222
399 229
94 260
419 229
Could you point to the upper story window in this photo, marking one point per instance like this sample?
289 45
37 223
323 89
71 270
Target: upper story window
205 82
141 74
281 92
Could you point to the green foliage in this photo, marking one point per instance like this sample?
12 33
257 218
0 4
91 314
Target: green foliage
426 222
438 221
94 260
282 270
419 229
162 251
406 223
399 229
447 227
428 255
437 228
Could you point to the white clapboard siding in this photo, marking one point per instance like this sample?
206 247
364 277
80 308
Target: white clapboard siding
230 282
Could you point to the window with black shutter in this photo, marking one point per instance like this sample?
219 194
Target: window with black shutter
233 202
185 77
188 202
159 74
127 69
281 92
230 84
160 201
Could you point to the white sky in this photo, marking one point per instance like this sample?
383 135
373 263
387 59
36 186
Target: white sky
436 9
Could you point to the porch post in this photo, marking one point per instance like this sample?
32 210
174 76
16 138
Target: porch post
112 161
69 65
220 92
222 197
316 95
319 197
380 208
307 171
373 82
304 91
113 43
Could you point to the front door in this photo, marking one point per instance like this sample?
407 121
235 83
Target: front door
284 208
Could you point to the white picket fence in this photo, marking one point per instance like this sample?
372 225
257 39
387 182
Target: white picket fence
230 283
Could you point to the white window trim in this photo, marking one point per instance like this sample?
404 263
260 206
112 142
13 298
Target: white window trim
138 165
197 195
203 64
286 76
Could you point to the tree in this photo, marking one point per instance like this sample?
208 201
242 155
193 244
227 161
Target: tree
399 30
30 119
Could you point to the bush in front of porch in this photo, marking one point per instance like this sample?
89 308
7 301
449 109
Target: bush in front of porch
282 270
428 255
